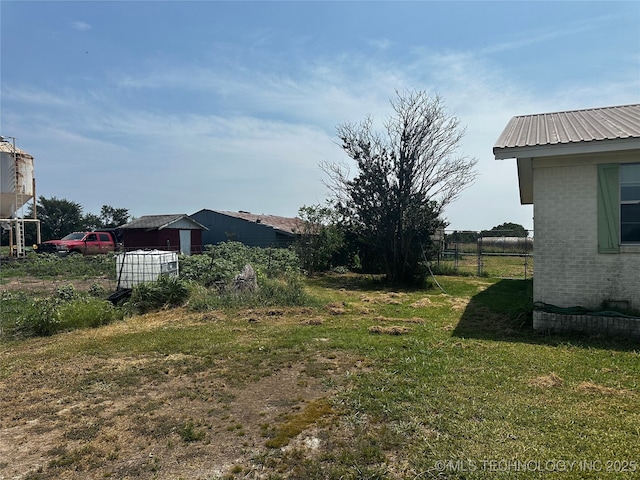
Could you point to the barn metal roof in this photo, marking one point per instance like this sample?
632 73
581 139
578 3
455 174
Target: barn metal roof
283 224
151 222
593 129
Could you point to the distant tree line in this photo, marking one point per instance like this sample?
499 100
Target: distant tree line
503 230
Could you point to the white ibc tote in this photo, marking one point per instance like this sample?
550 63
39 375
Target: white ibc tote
140 266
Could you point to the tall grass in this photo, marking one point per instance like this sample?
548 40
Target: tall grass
51 315
288 290
166 292
205 284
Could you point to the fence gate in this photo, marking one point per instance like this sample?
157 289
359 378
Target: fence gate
493 256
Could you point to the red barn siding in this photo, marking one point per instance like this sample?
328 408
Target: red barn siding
165 239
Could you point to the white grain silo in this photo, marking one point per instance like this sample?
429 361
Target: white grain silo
17 187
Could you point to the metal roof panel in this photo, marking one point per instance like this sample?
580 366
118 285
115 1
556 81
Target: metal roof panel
286 225
175 220
570 127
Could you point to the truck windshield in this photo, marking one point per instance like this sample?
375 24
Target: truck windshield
74 236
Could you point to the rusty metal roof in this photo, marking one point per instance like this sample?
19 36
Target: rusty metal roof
590 127
283 224
152 222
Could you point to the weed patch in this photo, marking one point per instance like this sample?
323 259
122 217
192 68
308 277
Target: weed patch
389 330
547 381
590 387
296 423
190 433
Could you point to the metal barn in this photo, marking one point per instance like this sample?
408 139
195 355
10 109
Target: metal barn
248 228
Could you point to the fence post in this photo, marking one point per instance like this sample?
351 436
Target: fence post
480 256
526 254
455 257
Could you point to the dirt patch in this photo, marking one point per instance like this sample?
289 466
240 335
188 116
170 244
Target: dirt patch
422 303
458 303
48 286
158 416
336 308
589 387
387 298
389 330
414 320
547 381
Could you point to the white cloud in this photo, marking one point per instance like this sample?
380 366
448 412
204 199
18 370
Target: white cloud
32 96
81 26
229 161
259 145
380 43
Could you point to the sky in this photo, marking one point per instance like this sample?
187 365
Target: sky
166 107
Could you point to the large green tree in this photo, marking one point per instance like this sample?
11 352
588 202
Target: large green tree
111 217
58 217
319 238
405 177
506 229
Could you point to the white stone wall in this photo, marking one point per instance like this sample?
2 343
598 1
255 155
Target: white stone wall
569 271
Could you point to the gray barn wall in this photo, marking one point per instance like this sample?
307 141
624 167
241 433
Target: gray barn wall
224 228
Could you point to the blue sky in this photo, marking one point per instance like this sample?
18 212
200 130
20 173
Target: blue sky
171 107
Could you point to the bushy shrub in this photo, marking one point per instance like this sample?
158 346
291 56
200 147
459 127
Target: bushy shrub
167 291
202 299
38 319
66 293
223 261
277 270
205 283
97 290
45 317
287 290
207 270
85 313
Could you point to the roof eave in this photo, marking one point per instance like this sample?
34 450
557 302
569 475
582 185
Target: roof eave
284 232
183 217
525 180
577 148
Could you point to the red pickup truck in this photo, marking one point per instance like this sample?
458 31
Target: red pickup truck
86 243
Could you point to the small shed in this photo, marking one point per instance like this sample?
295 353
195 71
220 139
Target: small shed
175 232
581 171
248 228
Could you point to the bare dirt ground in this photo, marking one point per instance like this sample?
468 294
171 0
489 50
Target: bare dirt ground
48 286
150 416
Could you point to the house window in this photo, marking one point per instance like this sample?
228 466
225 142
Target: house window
630 203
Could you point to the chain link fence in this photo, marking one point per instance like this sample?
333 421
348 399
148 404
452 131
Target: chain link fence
486 254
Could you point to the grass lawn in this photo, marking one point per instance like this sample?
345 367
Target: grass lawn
366 383
491 265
